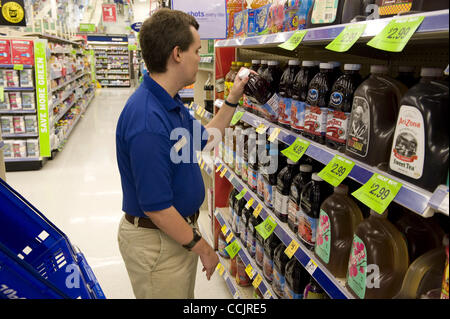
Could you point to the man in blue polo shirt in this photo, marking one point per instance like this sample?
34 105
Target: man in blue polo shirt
162 194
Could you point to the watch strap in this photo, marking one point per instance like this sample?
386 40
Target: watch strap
231 104
195 240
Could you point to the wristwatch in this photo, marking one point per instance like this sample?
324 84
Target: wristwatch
196 239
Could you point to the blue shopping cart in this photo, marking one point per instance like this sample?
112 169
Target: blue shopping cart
37 260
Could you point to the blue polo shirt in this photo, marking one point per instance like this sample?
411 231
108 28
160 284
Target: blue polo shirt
156 142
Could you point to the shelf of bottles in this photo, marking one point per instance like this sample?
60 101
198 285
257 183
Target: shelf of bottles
112 66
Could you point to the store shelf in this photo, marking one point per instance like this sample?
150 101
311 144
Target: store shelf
7 112
434 24
61 114
18 89
11 66
23 159
333 286
410 196
20 135
51 38
206 162
68 82
207 115
264 287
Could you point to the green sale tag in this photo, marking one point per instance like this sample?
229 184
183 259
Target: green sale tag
233 248
378 192
336 170
236 117
2 93
266 228
241 194
296 150
396 34
345 40
294 40
18 67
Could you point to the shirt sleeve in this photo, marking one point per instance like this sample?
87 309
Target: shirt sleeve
152 170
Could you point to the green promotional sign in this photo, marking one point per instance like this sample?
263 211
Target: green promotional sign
336 170
266 228
2 93
396 34
378 192
296 150
233 248
40 62
18 67
132 47
294 40
347 38
241 194
236 117
91 52
87 27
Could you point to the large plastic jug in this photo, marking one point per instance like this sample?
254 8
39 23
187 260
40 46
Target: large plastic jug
378 259
339 217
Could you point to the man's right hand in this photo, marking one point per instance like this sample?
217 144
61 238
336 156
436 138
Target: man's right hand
208 257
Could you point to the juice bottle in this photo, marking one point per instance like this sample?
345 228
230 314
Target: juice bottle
298 183
255 65
233 266
243 223
312 196
314 291
373 118
284 181
221 246
242 278
339 217
296 280
286 88
263 66
231 203
238 207
378 259
406 76
270 245
316 112
229 79
279 270
251 235
264 162
277 162
259 252
300 93
340 106
273 75
331 12
239 143
420 145
244 171
336 69
252 159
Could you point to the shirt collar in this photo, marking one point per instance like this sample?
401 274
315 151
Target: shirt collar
161 94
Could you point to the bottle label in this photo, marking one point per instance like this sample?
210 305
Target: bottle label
408 147
259 254
292 212
260 186
244 171
337 126
242 229
290 294
268 267
281 203
316 120
268 195
278 283
285 110
359 128
324 11
272 106
298 115
252 178
323 238
357 264
307 228
221 247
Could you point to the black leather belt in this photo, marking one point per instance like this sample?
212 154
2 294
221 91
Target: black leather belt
145 222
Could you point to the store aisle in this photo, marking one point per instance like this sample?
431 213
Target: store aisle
80 192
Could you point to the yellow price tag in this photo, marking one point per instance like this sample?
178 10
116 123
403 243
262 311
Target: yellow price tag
249 271
291 249
223 172
261 129
218 168
257 281
190 105
203 113
273 136
229 237
220 268
250 203
203 165
257 210
199 111
224 229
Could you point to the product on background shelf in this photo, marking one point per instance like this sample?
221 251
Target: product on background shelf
7 149
270 245
264 153
298 183
313 195
339 217
262 20
32 148
340 106
373 117
248 105
30 124
233 6
22 52
19 148
378 259
300 94
286 92
233 266
239 22
11 78
7 125
336 70
277 163
295 14
26 78
314 291
28 101
243 223
279 270
238 207
406 75
5 51
19 124
284 182
254 146
242 278
276 16
331 12
389 8
239 140
296 280
15 100
244 170
316 111
420 145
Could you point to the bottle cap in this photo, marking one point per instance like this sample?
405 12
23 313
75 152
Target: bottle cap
335 64
290 162
234 63
379 69
316 62
431 72
247 65
263 61
294 62
243 73
273 62
315 177
341 189
326 65
404 68
308 63
256 61
306 168
352 67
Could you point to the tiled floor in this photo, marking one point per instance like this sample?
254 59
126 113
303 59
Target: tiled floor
79 191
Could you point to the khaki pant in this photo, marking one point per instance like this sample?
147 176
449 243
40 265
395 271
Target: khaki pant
158 267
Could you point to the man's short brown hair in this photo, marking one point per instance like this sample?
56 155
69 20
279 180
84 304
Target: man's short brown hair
161 33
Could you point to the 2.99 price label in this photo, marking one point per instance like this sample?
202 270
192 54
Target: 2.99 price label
378 192
336 170
347 38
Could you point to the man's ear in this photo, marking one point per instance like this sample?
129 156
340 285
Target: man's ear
176 54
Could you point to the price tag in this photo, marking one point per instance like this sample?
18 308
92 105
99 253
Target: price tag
311 267
266 228
345 40
241 194
250 203
190 105
249 271
336 170
273 136
199 110
223 172
267 295
261 129
2 93
257 210
203 165
220 268
257 281
18 67
233 248
229 238
396 34
203 113
378 192
218 168
224 229
296 150
236 117
294 40
291 249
